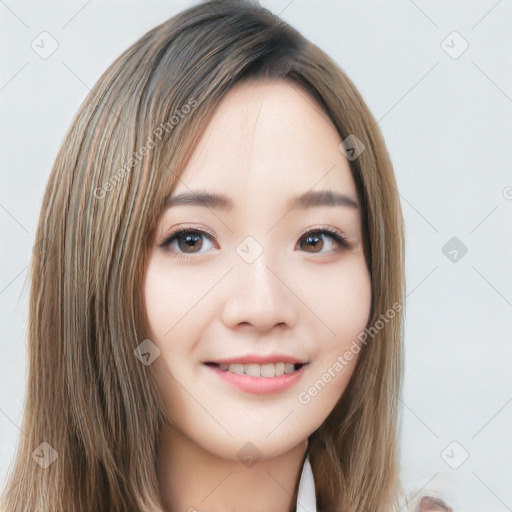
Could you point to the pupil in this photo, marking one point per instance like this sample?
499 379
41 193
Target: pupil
313 240
190 240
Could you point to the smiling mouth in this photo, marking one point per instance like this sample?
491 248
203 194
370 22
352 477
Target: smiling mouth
268 370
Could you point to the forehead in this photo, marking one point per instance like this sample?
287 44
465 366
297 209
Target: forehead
268 137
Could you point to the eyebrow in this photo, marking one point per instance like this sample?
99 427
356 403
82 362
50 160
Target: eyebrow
309 199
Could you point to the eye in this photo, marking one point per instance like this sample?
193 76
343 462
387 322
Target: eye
191 241
314 238
187 241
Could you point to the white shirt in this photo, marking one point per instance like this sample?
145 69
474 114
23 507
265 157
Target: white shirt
306 498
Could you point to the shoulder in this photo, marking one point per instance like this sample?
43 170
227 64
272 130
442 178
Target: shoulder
430 503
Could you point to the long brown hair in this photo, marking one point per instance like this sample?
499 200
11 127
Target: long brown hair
89 401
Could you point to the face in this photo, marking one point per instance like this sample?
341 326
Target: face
250 273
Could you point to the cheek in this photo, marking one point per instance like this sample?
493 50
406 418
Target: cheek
349 304
154 296
344 306
172 298
166 315
341 299
177 316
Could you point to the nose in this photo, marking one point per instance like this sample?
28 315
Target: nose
259 296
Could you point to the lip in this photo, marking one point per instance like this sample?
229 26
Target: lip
259 385
259 359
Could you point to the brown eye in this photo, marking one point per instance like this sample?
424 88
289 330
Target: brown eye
316 240
186 241
189 242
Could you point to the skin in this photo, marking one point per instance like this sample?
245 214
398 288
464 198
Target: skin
309 298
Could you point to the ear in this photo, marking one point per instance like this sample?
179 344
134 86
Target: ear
432 504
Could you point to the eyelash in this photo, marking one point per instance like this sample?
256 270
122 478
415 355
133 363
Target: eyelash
336 235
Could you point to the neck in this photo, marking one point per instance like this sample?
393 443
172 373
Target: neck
192 479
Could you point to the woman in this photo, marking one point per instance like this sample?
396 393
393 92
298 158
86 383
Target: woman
217 290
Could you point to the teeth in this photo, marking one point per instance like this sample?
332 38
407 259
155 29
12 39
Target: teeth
257 370
252 369
288 367
267 370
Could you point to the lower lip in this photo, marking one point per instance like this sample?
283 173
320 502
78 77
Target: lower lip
260 385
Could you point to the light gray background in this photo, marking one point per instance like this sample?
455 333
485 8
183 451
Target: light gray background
448 126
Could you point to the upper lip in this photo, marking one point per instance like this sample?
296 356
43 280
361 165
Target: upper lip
259 359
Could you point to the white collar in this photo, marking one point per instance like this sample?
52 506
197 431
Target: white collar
306 498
